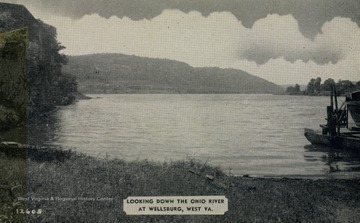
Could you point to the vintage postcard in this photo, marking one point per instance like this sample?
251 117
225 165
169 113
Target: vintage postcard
179 111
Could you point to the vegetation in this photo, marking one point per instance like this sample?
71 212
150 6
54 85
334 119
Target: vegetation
47 85
118 73
13 97
31 81
12 185
293 90
250 199
315 87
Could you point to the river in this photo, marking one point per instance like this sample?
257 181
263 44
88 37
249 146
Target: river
260 135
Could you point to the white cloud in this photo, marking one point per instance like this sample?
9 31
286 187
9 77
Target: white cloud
281 71
221 40
188 37
279 37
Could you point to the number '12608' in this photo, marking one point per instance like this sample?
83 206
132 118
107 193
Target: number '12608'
27 211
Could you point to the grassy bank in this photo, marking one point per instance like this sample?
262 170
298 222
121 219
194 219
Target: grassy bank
76 175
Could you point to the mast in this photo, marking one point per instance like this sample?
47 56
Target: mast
332 97
331 114
337 118
336 102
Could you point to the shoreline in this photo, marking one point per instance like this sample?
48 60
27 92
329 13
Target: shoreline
56 152
44 172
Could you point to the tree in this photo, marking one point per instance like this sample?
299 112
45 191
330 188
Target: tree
290 89
358 85
293 89
326 86
317 85
13 76
344 87
46 81
65 86
310 89
31 79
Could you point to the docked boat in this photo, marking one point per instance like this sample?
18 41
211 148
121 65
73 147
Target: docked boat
337 132
353 105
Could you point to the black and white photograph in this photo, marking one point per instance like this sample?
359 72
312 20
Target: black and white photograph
196 111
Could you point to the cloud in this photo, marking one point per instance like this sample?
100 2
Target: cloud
277 51
218 37
188 37
273 48
310 14
280 71
281 54
279 36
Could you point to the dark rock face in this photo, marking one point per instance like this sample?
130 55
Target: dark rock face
14 16
44 79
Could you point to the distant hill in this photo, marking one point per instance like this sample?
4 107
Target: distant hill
118 73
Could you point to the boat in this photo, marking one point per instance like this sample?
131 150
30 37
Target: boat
342 141
353 105
337 132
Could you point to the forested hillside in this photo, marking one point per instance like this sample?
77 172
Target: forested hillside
31 82
13 95
118 73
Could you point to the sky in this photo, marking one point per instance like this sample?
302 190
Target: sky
282 41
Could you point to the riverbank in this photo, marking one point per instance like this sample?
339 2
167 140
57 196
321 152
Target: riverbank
81 96
76 175
18 132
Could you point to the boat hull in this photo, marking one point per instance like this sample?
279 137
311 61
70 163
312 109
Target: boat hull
341 141
353 105
354 110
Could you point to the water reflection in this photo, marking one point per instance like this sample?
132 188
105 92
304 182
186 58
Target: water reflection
336 160
42 130
221 128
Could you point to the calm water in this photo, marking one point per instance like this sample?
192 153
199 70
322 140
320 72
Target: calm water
244 134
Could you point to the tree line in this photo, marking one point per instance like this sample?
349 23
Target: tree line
31 80
316 87
47 85
12 78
